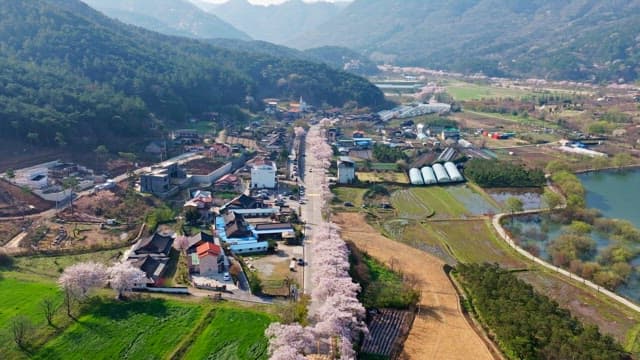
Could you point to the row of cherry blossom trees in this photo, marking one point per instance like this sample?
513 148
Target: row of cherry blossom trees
336 313
79 279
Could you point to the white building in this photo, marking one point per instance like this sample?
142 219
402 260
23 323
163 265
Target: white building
346 170
263 175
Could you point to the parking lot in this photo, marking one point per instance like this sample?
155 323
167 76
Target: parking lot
274 269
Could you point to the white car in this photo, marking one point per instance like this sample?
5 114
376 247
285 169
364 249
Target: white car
226 277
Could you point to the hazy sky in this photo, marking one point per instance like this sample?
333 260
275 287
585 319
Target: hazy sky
268 2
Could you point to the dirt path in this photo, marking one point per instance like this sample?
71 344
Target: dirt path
15 242
440 330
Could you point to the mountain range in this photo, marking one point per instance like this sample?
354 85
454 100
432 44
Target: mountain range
172 17
277 23
182 18
70 76
592 40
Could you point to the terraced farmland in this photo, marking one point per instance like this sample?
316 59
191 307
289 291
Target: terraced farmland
385 331
409 205
440 200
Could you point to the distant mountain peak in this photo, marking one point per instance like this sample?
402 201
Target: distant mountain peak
572 40
173 17
276 23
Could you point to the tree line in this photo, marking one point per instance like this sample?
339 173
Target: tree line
528 325
490 173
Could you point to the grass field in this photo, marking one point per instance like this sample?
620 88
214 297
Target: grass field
21 295
474 242
436 198
148 328
384 166
348 194
232 334
120 330
156 328
531 121
381 177
462 91
409 206
50 267
26 284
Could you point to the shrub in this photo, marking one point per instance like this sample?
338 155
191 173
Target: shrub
6 260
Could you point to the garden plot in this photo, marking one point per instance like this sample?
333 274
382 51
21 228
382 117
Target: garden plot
385 330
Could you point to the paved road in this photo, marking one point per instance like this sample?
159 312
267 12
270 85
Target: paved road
312 210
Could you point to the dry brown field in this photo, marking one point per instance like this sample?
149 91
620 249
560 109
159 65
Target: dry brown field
440 330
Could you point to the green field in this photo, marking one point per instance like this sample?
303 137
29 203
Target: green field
147 328
531 121
50 267
156 328
437 198
462 91
474 242
409 205
384 166
348 194
232 334
21 295
120 330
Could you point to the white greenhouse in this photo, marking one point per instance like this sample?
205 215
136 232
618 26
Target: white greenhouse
415 177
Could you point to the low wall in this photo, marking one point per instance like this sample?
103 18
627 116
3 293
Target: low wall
165 290
213 176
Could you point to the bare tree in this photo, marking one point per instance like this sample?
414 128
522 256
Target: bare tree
49 309
20 327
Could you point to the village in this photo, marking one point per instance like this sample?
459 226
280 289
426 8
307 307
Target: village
227 213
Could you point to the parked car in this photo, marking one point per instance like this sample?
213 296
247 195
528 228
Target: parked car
226 277
301 262
348 204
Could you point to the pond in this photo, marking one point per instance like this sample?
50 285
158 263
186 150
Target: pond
615 193
531 198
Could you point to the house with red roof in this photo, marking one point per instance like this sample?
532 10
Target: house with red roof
209 258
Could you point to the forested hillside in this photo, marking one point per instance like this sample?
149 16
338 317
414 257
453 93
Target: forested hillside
339 58
70 76
575 39
275 23
172 17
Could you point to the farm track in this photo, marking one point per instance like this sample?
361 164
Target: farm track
440 330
